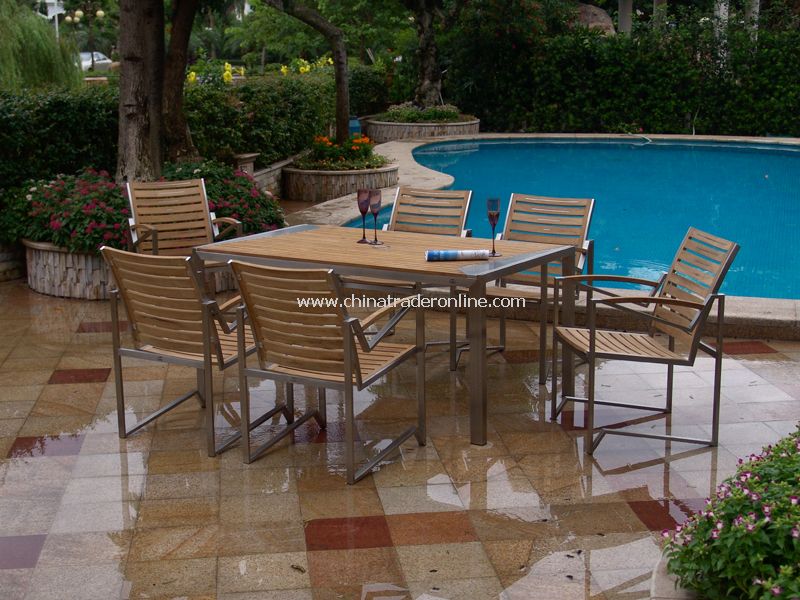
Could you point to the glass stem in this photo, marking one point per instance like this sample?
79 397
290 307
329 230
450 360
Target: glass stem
363 227
493 252
375 218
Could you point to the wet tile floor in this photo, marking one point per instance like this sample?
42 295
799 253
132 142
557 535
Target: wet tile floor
86 515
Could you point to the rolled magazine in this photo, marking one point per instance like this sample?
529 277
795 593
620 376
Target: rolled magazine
434 255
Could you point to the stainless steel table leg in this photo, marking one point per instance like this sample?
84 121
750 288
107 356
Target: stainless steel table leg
476 369
543 326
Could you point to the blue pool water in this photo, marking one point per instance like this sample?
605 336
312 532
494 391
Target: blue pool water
646 196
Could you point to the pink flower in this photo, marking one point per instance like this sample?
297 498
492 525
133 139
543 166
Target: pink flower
794 500
796 532
776 590
108 235
714 534
56 224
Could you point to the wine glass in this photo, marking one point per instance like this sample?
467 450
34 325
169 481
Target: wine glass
493 210
362 197
375 208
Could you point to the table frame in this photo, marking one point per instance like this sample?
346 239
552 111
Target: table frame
474 277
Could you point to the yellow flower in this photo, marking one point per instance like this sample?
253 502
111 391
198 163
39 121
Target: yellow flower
228 67
241 71
330 60
284 70
227 77
305 68
191 77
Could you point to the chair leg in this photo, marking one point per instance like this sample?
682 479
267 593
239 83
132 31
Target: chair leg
717 372
670 377
421 432
244 408
349 434
208 388
121 427
289 412
453 333
322 408
589 442
554 369
201 394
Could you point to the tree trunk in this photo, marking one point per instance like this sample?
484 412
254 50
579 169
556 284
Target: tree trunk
177 137
429 85
141 48
429 76
335 38
625 18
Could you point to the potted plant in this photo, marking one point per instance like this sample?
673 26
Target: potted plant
746 542
408 120
62 223
332 170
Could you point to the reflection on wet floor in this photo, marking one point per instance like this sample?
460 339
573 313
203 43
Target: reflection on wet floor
86 515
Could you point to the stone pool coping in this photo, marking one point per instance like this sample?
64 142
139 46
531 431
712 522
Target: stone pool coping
749 317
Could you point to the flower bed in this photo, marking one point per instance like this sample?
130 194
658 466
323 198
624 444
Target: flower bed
746 543
404 121
333 170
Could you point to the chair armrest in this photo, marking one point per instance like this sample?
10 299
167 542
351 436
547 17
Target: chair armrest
142 233
401 306
602 277
232 225
616 302
227 309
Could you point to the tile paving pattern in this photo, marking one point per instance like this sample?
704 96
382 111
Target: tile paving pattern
86 515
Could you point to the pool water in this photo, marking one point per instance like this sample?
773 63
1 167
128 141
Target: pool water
646 195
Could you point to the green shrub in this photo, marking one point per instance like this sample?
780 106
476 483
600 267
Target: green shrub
355 154
369 93
410 113
232 194
746 543
44 133
275 115
517 73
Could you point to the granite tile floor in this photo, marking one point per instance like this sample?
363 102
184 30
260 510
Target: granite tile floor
86 515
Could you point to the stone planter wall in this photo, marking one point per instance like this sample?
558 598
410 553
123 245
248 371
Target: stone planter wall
384 131
270 178
318 186
11 263
56 272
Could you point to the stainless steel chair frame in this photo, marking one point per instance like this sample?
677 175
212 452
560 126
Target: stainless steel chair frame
353 332
618 302
212 312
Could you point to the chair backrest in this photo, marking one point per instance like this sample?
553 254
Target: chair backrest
163 299
177 209
442 212
562 221
695 274
288 336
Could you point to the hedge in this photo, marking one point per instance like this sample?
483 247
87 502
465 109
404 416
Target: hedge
46 133
678 80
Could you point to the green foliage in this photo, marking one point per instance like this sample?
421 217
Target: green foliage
326 155
77 212
275 115
44 133
511 66
232 194
30 55
746 543
368 89
410 113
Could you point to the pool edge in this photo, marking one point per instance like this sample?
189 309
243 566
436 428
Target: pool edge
746 316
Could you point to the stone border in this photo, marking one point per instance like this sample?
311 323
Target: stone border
319 186
746 317
387 131
55 271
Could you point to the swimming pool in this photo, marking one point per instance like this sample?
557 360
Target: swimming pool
647 194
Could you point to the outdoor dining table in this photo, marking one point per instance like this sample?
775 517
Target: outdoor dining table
401 257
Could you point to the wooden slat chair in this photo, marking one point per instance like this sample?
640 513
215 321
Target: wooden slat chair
320 346
169 218
438 212
681 308
172 321
541 219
